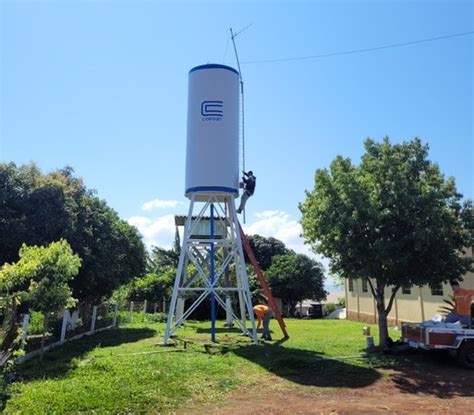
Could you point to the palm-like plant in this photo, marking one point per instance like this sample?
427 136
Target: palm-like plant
449 307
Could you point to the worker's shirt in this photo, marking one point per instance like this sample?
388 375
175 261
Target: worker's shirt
463 299
260 310
250 184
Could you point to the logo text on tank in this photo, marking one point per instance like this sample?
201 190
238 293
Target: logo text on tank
212 110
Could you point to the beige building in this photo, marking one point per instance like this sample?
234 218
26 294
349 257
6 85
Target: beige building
412 304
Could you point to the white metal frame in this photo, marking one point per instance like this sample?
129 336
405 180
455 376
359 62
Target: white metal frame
197 252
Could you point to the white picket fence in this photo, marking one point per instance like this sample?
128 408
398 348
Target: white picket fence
137 312
68 321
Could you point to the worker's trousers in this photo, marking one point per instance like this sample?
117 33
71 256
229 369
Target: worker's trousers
243 201
266 325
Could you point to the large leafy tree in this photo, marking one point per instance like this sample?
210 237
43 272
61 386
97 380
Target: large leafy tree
265 249
296 277
393 220
40 279
37 209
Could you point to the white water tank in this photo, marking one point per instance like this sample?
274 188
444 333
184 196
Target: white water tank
212 150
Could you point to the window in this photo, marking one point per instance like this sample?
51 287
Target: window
351 284
365 286
406 290
437 289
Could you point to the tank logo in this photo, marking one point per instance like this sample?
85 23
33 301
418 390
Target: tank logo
212 110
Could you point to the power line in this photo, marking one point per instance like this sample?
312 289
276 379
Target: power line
353 51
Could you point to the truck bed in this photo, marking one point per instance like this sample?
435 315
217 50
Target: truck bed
433 337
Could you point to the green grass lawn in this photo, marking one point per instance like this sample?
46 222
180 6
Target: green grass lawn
126 371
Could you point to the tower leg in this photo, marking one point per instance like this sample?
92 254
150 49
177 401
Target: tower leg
211 278
247 301
179 273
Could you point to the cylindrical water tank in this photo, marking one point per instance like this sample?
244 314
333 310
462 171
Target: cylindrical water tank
212 150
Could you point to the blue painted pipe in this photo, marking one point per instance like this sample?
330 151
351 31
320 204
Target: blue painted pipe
213 298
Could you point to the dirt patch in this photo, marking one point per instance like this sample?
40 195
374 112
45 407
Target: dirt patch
406 390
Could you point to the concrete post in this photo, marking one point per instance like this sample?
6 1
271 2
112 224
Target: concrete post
130 319
114 321
94 316
24 327
64 325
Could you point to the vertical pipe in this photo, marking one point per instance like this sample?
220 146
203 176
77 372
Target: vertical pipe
213 299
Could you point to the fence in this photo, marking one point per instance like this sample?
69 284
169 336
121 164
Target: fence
71 324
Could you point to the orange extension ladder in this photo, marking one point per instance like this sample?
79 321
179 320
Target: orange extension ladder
263 282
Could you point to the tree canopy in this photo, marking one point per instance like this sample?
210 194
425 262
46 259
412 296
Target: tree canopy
40 279
393 219
37 209
296 277
265 249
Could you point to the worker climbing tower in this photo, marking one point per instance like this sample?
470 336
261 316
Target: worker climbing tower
211 264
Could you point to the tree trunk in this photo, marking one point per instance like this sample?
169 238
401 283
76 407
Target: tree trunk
382 311
382 321
12 332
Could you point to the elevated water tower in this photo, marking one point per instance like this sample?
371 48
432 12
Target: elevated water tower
211 265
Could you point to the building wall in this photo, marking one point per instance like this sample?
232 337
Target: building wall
419 305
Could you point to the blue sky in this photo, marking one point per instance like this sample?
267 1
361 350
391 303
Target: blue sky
102 86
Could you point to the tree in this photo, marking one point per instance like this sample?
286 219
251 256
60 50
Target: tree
265 249
296 277
161 259
37 209
40 279
153 287
393 220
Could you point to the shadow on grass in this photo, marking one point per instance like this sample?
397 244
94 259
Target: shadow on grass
59 361
427 373
219 330
307 367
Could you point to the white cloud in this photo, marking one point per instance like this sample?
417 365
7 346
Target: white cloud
281 225
160 232
157 231
160 204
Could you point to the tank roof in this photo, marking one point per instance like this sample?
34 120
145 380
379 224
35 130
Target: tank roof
214 66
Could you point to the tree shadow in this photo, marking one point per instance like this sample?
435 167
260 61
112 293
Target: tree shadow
58 362
307 367
427 373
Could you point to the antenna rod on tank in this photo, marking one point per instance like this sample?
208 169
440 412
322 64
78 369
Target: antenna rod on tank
241 93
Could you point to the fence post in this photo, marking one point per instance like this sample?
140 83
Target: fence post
131 312
154 308
24 328
114 321
144 310
94 316
64 326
